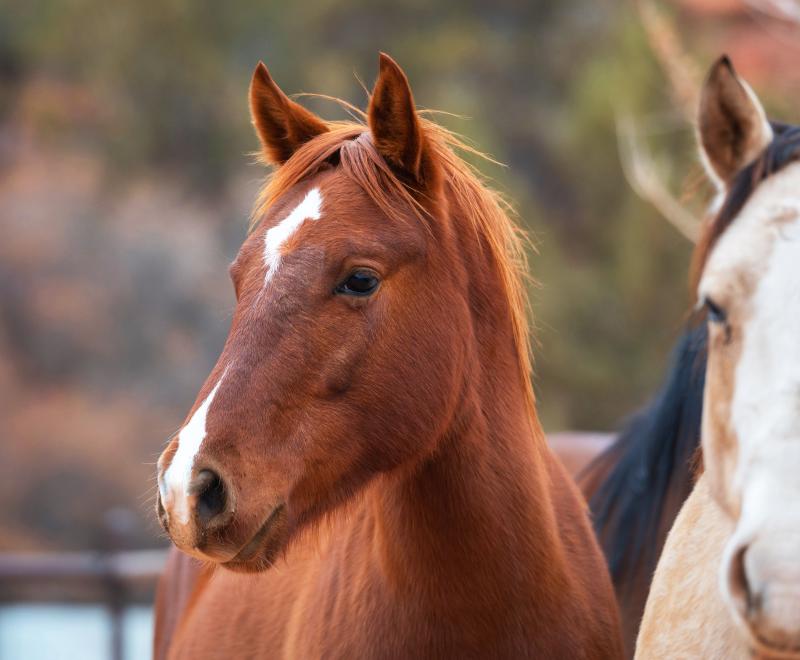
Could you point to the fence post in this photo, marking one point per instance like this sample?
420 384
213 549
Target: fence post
119 524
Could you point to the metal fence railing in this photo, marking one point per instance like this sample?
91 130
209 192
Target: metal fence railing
113 579
117 579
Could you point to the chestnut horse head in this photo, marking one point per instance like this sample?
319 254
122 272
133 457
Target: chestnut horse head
376 263
749 283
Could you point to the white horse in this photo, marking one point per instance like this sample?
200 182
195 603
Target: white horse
728 582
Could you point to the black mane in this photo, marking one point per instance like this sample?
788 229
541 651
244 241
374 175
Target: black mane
653 464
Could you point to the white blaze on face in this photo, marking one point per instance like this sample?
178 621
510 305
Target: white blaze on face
175 483
276 237
754 272
762 249
765 410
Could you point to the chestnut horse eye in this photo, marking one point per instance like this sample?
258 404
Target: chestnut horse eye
715 313
360 282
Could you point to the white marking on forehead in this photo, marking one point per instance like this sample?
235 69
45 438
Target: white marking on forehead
746 244
276 237
762 248
765 413
179 474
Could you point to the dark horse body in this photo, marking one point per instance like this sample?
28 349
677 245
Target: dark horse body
636 487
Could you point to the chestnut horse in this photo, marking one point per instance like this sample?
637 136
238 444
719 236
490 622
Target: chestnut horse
363 472
728 582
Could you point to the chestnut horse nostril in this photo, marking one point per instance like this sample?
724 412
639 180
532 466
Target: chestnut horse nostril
161 512
210 492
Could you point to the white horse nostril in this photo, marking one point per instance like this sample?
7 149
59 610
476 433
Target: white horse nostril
772 616
763 587
735 581
738 575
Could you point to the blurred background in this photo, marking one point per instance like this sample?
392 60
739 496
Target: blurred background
126 182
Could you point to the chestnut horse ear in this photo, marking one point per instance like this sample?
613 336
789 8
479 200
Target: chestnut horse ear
281 124
732 125
393 121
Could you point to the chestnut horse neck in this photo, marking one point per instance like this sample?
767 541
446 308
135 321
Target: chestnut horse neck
486 485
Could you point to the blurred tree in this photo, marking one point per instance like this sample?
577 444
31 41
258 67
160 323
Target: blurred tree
125 182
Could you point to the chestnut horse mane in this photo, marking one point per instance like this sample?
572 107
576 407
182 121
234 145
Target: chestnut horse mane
783 150
349 145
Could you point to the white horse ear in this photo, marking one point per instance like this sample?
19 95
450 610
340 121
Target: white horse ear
732 125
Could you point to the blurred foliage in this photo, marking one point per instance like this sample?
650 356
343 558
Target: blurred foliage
125 183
